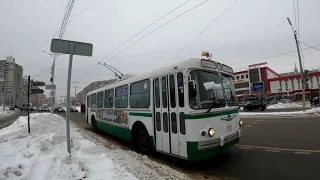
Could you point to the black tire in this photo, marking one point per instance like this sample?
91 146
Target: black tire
94 124
142 141
245 109
260 109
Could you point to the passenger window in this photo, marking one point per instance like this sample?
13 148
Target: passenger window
165 122
108 98
158 121
100 100
140 94
180 89
182 123
174 123
164 92
94 101
157 92
172 91
121 99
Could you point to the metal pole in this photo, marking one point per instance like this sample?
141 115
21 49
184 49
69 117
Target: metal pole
75 94
29 104
52 95
303 82
68 97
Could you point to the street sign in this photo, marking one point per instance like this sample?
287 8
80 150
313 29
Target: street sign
37 83
37 91
72 48
64 47
49 86
257 86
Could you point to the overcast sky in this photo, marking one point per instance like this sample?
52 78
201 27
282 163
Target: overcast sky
250 31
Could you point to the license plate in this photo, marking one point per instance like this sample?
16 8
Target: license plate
229 128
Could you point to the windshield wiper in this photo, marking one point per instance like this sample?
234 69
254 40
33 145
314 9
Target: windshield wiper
212 103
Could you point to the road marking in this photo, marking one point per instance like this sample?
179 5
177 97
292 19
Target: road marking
249 125
271 150
245 148
301 152
281 149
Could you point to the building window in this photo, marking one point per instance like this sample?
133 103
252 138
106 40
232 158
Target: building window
241 85
100 99
140 94
286 84
108 98
247 76
299 83
292 84
318 81
238 77
121 99
242 76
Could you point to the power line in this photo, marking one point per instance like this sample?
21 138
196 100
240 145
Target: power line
60 14
145 29
273 56
147 33
214 20
42 72
85 9
309 46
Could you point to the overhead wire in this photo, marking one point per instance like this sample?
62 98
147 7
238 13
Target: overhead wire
146 34
309 46
45 42
157 29
202 31
42 72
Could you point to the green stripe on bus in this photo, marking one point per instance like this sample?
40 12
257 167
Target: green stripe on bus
140 114
123 133
201 116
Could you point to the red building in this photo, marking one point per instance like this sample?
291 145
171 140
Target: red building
262 80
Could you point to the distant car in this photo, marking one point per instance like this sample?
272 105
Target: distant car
73 109
255 105
273 101
59 109
24 107
12 108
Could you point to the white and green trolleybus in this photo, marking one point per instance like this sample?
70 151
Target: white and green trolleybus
188 109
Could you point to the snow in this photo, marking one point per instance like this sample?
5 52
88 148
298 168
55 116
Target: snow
42 154
281 105
311 112
7 112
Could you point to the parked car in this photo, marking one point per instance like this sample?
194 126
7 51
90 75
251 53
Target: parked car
24 107
255 105
59 109
73 109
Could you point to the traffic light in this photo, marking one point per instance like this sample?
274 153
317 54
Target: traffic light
306 75
37 91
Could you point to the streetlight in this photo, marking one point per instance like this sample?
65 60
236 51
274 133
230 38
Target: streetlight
52 94
75 90
303 82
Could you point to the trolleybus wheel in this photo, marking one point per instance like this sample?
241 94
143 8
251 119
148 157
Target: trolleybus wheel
143 141
94 124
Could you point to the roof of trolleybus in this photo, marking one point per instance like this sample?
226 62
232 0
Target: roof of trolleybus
193 63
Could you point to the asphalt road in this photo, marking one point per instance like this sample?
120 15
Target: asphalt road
7 120
270 148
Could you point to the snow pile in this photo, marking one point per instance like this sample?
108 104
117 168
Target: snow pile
7 113
311 112
281 105
43 155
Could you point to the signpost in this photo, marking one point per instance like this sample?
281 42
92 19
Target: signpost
72 48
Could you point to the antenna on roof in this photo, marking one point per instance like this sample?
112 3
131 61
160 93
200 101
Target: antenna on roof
114 70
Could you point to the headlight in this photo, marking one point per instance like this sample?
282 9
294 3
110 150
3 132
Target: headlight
211 132
240 122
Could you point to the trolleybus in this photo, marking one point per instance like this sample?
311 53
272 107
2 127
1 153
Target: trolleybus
188 109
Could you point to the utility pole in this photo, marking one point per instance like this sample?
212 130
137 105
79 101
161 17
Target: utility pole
52 93
303 82
75 94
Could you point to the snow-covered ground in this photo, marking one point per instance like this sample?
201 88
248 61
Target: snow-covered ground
311 112
42 154
7 112
281 105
